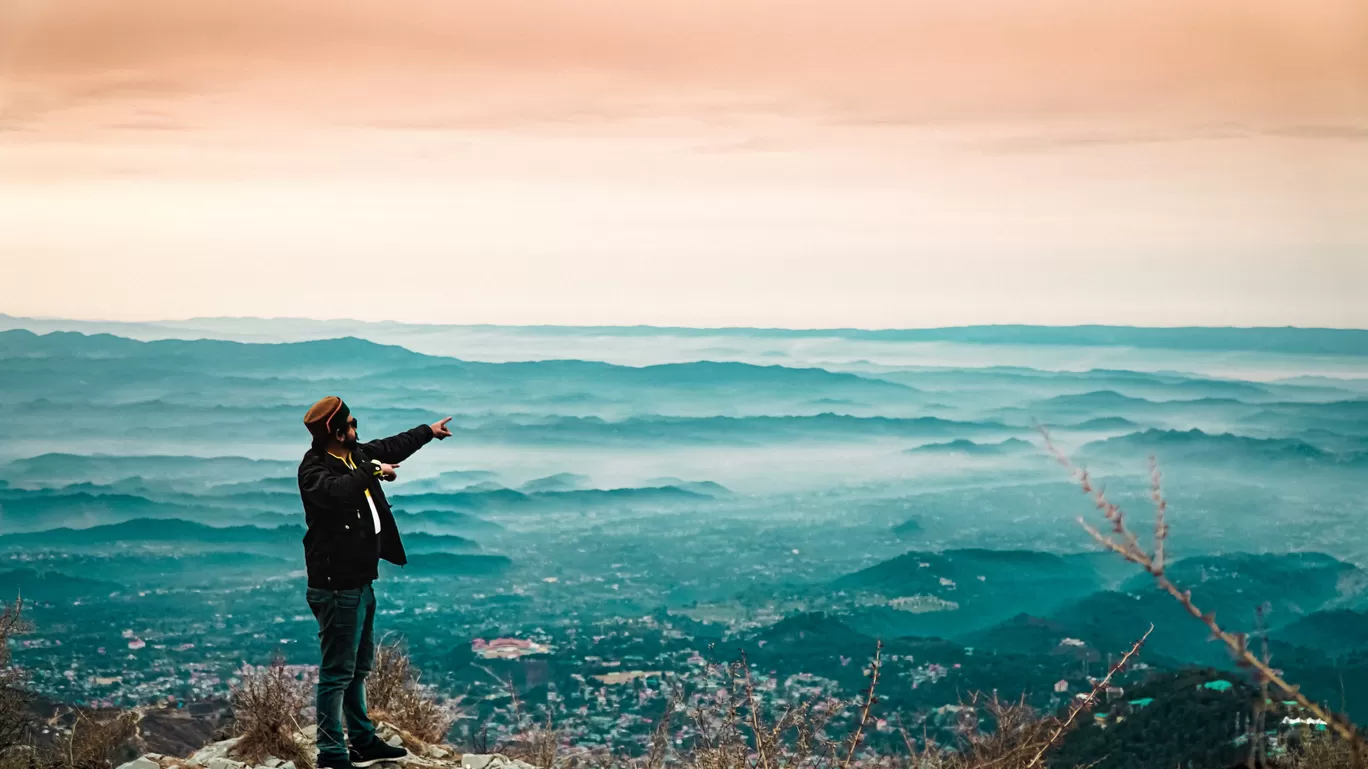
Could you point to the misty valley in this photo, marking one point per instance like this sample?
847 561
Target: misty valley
619 508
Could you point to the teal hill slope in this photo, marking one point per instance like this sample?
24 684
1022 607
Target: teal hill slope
57 468
1011 446
1195 445
74 369
1334 632
1234 587
957 591
140 532
45 585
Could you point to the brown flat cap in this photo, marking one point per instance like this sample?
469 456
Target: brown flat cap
326 415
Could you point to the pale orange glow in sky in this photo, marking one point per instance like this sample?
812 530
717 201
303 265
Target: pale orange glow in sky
801 163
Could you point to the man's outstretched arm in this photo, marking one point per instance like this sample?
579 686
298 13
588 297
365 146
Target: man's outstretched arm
397 448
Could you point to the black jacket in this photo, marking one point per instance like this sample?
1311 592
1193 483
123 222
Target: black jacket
341 548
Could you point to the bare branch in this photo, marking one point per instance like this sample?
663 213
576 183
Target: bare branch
870 699
1131 550
1092 696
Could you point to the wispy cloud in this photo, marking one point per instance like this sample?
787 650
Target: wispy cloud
473 63
871 162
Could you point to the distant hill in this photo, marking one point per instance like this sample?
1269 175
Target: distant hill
51 585
1290 340
1025 634
485 487
1234 585
1196 445
813 642
710 488
970 448
510 501
56 468
422 542
442 522
1104 423
142 531
320 356
448 565
74 360
22 511
719 430
451 480
922 570
1099 400
1110 621
557 482
908 529
1335 632
282 485
812 631
956 591
180 567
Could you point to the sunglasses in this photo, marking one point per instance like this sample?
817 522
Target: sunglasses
352 423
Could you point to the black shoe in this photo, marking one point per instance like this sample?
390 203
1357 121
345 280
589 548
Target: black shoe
375 753
329 762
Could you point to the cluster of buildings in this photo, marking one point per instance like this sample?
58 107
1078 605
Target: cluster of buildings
507 648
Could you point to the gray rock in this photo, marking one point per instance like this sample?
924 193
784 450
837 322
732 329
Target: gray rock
395 741
492 761
223 762
213 750
272 762
142 762
287 765
436 752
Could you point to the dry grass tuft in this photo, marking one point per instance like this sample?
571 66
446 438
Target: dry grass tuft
1320 751
395 694
14 701
732 728
268 705
96 743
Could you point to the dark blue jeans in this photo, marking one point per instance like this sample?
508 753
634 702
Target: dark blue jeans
346 621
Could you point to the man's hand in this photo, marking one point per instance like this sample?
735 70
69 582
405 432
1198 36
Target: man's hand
389 472
440 429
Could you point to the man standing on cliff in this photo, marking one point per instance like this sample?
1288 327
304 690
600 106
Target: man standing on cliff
350 528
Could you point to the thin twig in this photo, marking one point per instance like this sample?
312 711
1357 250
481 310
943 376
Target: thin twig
1160 509
870 699
1256 725
1092 696
754 715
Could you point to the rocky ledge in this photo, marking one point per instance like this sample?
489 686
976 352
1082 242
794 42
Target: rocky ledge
422 755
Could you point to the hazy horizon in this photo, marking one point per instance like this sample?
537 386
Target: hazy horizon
477 324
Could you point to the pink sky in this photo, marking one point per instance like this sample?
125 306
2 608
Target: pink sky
804 163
